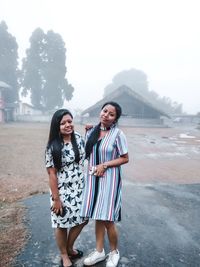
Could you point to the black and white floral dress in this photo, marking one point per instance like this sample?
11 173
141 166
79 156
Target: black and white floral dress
70 185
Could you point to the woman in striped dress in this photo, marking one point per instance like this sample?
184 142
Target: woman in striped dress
106 150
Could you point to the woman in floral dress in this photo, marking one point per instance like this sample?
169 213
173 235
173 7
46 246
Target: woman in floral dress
64 162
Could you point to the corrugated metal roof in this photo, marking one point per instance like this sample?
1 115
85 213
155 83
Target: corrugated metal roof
121 90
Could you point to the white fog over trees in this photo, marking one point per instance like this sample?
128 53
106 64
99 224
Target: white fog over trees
43 73
137 80
9 72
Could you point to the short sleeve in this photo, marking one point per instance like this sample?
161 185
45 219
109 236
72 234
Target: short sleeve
82 148
48 158
88 133
81 145
122 145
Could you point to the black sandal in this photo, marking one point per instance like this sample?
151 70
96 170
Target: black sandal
78 255
61 264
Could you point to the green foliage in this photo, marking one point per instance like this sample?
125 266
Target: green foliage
44 70
9 72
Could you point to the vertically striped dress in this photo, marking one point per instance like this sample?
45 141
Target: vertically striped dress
102 195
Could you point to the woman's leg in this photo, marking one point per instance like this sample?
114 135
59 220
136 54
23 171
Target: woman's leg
61 239
72 236
98 254
100 233
112 234
114 254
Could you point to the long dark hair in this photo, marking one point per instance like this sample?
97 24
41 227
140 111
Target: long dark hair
93 138
55 141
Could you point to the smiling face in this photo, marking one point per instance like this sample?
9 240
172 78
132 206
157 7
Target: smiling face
108 115
66 125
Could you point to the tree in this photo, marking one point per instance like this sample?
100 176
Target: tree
133 78
137 81
56 88
9 71
44 70
31 74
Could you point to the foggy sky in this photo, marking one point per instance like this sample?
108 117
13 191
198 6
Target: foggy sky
104 37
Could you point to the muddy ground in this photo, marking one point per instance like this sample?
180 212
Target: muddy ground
157 155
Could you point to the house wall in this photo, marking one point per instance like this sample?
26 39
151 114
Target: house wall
33 118
26 109
1 107
1 115
40 118
128 122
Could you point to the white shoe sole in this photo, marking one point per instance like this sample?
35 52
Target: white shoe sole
98 260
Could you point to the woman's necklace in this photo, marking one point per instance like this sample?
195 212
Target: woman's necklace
104 128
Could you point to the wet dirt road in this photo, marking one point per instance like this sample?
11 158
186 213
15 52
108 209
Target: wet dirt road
160 227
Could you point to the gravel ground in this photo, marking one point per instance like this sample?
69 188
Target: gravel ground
158 156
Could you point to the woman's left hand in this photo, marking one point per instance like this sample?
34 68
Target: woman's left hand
100 170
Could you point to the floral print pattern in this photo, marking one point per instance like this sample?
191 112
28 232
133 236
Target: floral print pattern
70 185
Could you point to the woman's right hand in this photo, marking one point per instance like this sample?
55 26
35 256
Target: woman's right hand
88 127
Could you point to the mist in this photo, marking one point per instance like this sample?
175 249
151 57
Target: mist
103 38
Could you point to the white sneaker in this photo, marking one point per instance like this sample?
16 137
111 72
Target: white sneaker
94 257
113 258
